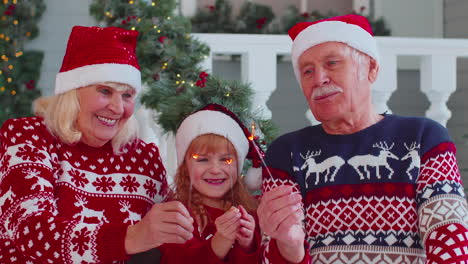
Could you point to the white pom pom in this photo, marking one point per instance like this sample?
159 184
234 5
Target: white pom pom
253 178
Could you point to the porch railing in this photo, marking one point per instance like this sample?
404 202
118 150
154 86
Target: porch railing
437 66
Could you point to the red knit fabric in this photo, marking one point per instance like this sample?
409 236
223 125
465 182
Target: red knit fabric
71 204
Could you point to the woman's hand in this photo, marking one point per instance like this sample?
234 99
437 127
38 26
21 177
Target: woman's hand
245 233
165 223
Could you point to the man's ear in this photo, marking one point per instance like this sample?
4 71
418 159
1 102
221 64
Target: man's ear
373 70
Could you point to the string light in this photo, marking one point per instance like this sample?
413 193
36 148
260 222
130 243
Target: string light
1 72
159 31
5 2
130 2
14 2
178 75
153 3
28 34
5 58
227 95
183 82
10 67
139 19
2 36
155 26
177 82
15 22
7 38
13 92
20 53
168 18
9 79
2 89
133 28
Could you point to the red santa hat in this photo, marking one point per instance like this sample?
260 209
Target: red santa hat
97 55
353 30
217 119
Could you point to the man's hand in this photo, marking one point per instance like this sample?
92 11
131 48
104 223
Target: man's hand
165 223
280 215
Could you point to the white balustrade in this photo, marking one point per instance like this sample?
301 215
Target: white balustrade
259 68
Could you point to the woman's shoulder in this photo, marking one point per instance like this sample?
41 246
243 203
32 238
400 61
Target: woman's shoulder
22 129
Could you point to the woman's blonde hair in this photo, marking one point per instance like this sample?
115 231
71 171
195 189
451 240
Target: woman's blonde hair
60 113
238 194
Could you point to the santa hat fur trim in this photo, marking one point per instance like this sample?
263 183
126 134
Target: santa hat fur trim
97 73
353 30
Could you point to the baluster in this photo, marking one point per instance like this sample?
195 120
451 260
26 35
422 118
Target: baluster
438 82
386 83
259 69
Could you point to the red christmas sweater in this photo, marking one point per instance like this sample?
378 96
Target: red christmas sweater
391 193
199 250
71 204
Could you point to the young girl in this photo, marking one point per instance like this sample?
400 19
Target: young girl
211 146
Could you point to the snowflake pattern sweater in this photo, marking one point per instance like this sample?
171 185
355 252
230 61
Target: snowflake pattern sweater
390 193
199 247
71 204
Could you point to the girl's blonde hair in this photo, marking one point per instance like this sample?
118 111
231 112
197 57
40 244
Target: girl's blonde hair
60 113
238 194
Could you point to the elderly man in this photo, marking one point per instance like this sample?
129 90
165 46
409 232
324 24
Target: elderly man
369 187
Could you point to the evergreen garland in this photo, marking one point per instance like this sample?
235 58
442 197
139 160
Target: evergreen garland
259 19
19 69
169 59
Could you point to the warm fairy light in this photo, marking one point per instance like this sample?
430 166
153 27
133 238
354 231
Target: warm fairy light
159 31
13 92
14 2
1 72
191 84
183 82
2 36
4 57
5 2
165 64
252 134
7 38
168 18
133 28
139 19
9 80
178 75
177 82
2 89
19 53
130 2
228 94
15 22
155 26
10 67
195 156
28 34
153 3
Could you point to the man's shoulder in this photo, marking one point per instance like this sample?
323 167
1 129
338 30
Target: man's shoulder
298 135
415 122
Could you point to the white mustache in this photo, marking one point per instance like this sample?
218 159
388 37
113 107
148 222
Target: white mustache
326 89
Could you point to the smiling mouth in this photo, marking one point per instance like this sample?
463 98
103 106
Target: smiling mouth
215 181
107 121
320 97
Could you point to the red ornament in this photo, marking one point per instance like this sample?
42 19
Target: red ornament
30 85
124 22
305 15
162 39
202 82
203 75
212 8
261 22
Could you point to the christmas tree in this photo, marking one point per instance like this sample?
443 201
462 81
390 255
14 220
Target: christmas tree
169 57
19 69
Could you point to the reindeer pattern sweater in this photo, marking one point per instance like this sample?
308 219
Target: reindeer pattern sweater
391 193
71 204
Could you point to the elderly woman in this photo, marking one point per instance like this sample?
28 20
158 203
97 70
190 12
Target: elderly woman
76 183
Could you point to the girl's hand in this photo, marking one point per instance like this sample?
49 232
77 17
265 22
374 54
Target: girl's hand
228 223
245 233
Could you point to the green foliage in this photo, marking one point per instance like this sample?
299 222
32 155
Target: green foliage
259 19
20 69
169 59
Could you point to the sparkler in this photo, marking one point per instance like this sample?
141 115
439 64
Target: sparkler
260 154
